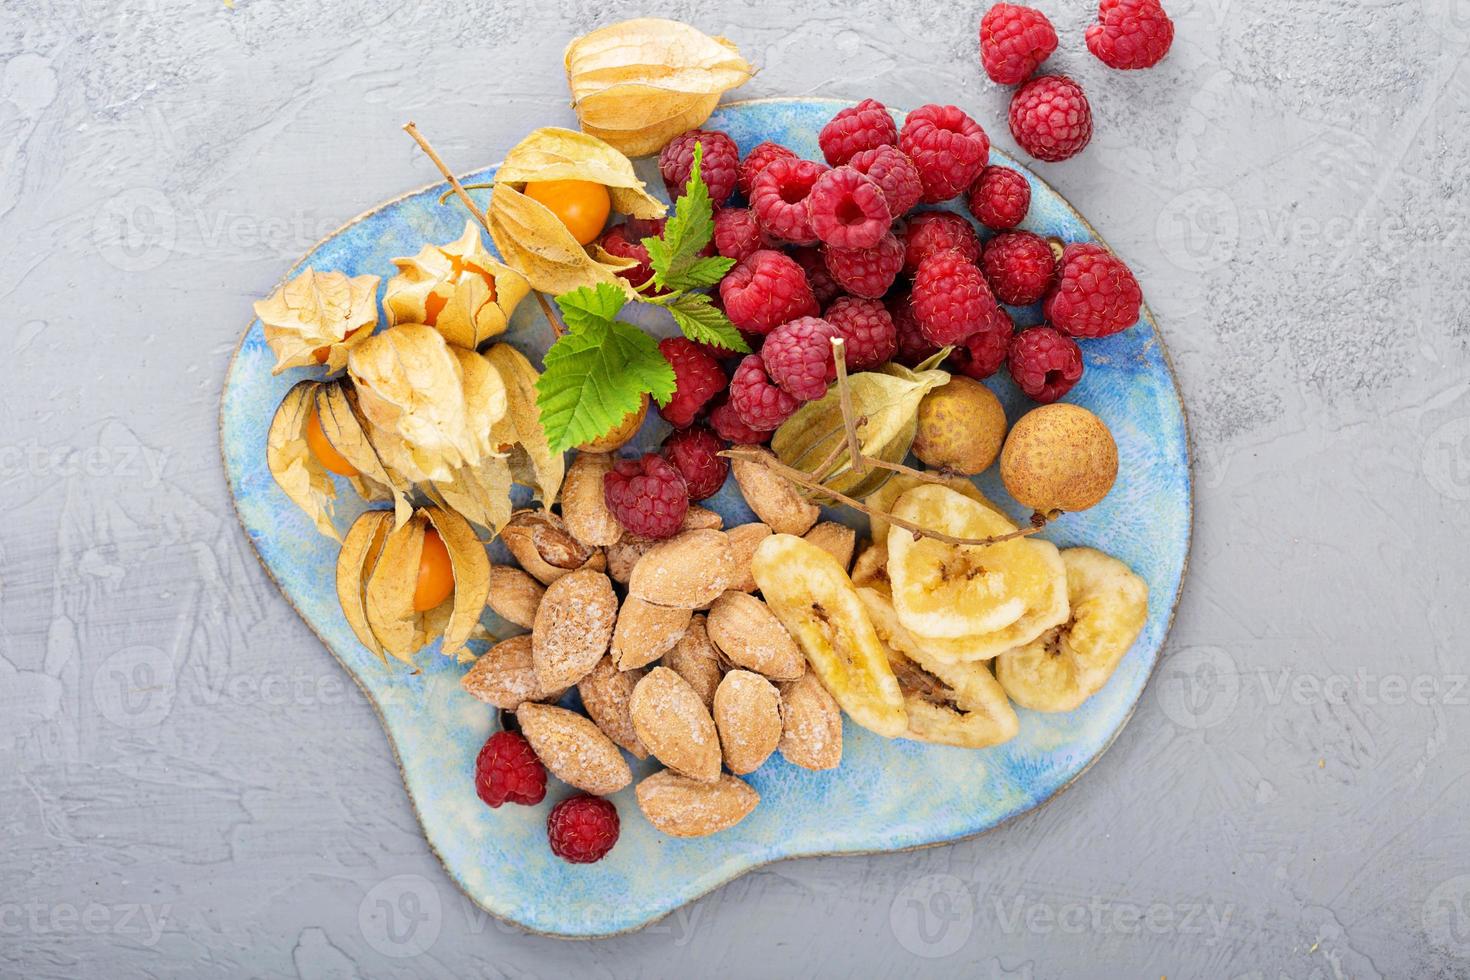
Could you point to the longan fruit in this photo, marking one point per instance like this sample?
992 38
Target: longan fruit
1059 457
961 427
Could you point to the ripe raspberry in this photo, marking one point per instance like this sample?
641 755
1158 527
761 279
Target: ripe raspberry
764 290
755 161
698 378
1000 198
1014 41
847 209
949 148
778 198
1044 362
1018 266
737 233
798 357
695 454
866 271
756 400
1095 293
582 828
717 166
936 231
866 326
507 770
951 299
824 287
895 174
913 346
728 425
647 496
1130 33
618 240
857 128
984 351
1050 118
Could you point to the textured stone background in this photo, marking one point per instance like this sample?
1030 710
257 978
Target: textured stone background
189 785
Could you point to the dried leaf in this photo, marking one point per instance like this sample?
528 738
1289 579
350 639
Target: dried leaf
521 426
298 473
536 243
551 153
360 551
317 318
459 289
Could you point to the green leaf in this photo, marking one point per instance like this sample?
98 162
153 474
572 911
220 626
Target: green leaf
587 305
595 376
675 256
703 272
703 323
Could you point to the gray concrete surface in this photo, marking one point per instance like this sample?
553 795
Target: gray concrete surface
188 785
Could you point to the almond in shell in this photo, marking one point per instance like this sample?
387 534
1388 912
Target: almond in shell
504 676
646 632
514 595
574 749
583 503
695 659
748 717
574 625
607 694
744 539
811 725
622 556
673 723
774 499
750 636
687 571
543 546
683 807
838 540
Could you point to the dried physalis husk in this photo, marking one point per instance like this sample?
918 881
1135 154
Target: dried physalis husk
318 317
346 430
639 83
295 467
459 289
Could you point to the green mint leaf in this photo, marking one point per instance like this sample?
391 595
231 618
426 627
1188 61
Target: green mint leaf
589 305
703 323
595 376
676 253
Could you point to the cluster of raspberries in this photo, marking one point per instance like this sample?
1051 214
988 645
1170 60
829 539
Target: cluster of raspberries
581 829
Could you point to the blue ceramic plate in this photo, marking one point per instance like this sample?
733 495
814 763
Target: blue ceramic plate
887 795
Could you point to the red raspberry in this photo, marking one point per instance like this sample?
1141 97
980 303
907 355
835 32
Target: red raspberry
949 148
778 198
695 453
1019 266
824 287
698 378
717 166
1130 33
507 770
1095 294
913 346
894 172
951 299
866 271
798 357
618 240
857 128
764 290
1014 41
729 426
756 400
1000 198
755 161
936 231
1050 118
1044 362
867 328
582 828
847 209
647 495
984 351
737 233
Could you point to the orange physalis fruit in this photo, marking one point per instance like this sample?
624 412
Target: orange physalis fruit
321 447
581 205
436 573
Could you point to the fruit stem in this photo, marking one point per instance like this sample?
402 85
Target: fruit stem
556 326
844 399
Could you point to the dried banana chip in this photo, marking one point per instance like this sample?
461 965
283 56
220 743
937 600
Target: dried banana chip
459 289
884 497
317 318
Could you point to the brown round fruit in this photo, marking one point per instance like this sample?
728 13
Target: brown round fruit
961 427
1059 457
625 430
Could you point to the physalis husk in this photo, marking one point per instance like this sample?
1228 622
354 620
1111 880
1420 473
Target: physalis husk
459 289
318 317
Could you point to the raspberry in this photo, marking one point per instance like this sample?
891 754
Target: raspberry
618 240
1095 293
756 400
935 231
1130 33
949 148
857 128
913 346
894 172
695 454
698 378
778 198
848 209
507 770
646 495
1050 118
755 161
582 828
1044 362
764 290
824 287
1019 266
866 271
984 351
1014 41
1000 198
951 299
729 426
717 165
737 233
868 330
798 357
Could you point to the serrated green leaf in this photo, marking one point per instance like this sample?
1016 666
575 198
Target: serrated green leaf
588 305
674 255
595 377
703 323
704 272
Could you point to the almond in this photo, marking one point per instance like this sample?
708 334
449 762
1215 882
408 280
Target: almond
685 808
646 632
687 571
514 595
607 694
695 659
750 636
774 499
504 676
574 625
574 749
583 503
675 725
811 725
543 546
838 540
748 718
743 542
621 557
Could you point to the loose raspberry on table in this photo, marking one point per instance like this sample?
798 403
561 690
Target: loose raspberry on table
1095 293
913 346
848 209
951 299
867 330
697 378
755 161
646 495
695 453
728 425
718 164
1051 118
778 198
764 290
1045 363
1019 267
949 148
999 198
866 272
757 401
507 771
737 233
984 351
936 231
857 128
1014 41
798 357
812 262
895 174
582 828
1130 33
619 240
